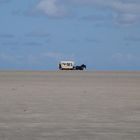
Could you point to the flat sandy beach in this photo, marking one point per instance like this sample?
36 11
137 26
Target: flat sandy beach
69 105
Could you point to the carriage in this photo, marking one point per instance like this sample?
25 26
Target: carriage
69 65
66 65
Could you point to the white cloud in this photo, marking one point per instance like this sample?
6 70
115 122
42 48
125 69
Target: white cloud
126 59
6 36
4 1
127 18
32 60
8 57
127 11
51 8
132 38
57 55
38 34
42 57
5 57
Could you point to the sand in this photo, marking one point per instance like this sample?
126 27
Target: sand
69 105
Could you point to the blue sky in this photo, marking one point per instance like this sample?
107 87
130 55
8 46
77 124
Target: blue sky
37 34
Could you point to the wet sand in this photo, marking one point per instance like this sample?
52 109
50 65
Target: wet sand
69 105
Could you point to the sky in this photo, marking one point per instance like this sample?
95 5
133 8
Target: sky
37 34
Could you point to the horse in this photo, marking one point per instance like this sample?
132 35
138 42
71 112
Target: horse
82 67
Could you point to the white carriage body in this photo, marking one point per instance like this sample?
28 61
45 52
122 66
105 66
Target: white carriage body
66 65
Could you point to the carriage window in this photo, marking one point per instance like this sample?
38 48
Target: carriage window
67 64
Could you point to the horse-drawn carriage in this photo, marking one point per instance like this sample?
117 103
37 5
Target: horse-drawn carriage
69 65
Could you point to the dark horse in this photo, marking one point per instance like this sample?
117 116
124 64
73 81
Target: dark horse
82 67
